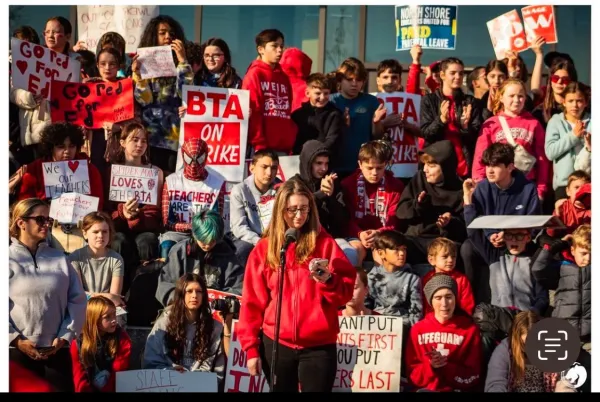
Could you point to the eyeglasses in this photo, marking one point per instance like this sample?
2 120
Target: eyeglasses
293 211
40 220
213 56
515 236
557 78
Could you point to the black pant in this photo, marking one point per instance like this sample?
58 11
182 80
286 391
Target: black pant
242 250
477 271
134 249
57 369
315 368
164 159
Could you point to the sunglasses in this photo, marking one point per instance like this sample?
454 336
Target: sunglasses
557 78
40 220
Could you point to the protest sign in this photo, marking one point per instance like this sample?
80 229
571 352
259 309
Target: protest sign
66 177
539 21
166 381
507 34
504 222
72 207
237 377
128 21
127 182
219 116
91 104
432 27
34 67
405 157
369 354
156 61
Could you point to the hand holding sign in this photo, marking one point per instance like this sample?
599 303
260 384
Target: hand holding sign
179 50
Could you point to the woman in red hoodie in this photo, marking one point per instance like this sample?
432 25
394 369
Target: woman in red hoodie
525 130
60 142
102 349
443 352
318 280
271 97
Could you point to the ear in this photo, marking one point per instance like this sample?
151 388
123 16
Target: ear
381 254
431 260
251 168
511 167
307 92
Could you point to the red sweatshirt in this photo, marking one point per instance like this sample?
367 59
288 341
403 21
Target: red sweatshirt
271 101
32 184
21 379
120 363
309 311
527 132
296 64
393 190
459 340
574 216
464 299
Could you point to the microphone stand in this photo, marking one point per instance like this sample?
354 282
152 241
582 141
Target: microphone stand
275 352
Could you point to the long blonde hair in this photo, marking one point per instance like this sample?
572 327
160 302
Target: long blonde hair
306 243
21 209
497 105
521 325
90 335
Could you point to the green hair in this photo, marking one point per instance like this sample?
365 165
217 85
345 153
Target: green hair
208 226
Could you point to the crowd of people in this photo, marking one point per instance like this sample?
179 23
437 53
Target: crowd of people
368 242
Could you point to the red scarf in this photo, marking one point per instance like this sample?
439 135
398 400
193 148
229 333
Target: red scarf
376 207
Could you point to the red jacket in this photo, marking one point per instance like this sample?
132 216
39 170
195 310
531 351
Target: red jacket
296 64
120 363
527 132
459 340
309 310
21 379
32 184
574 216
464 298
393 190
271 101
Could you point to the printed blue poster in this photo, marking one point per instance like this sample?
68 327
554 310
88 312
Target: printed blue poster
432 27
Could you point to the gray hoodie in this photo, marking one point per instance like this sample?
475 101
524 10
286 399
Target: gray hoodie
244 212
156 356
46 299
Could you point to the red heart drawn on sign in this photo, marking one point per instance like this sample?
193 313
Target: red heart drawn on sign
22 66
73 165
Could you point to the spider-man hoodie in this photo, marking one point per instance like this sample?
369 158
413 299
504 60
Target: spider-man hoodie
309 311
271 100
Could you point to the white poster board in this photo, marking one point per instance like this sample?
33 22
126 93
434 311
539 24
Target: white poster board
72 207
127 182
166 381
66 177
237 377
156 62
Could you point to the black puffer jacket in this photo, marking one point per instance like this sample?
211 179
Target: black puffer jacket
573 297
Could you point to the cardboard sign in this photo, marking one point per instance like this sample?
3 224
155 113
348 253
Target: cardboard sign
34 67
405 158
237 377
539 21
369 354
66 177
432 27
128 21
166 381
156 62
507 34
72 207
92 104
127 182
219 116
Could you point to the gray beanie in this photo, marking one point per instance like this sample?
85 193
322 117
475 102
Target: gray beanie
437 282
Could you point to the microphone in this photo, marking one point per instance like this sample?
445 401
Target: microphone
291 235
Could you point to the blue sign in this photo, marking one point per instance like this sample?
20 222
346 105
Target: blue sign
432 27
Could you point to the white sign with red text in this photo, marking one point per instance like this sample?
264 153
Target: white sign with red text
405 158
219 116
127 182
507 34
70 208
66 177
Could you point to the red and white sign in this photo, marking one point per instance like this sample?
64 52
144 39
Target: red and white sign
220 117
66 177
405 158
34 67
507 34
127 182
539 21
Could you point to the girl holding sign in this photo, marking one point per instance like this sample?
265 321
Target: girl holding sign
186 337
46 301
101 350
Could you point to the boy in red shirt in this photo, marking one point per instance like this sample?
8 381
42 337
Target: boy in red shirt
577 209
372 195
270 124
441 254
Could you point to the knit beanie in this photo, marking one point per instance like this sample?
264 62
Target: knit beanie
437 282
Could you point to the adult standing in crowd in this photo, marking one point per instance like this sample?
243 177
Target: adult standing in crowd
46 300
311 296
